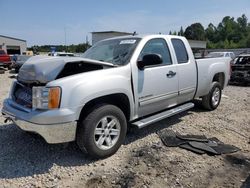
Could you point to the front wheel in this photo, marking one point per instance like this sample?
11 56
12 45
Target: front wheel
103 131
212 100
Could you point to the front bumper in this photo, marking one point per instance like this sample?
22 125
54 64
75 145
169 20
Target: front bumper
54 126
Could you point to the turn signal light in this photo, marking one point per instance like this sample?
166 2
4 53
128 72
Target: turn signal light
54 97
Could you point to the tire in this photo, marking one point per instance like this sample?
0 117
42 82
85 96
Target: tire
95 135
212 100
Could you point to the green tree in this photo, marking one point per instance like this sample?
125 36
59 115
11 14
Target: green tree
174 33
229 33
181 32
248 41
211 32
195 32
242 23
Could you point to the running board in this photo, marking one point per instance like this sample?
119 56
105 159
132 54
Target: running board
157 117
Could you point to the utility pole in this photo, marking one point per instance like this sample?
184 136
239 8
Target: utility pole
65 39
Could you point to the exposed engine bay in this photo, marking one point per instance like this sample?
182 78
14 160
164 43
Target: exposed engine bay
43 69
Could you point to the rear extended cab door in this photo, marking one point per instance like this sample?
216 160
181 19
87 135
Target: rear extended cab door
156 87
186 68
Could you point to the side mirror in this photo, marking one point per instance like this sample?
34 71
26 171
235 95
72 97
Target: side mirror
149 59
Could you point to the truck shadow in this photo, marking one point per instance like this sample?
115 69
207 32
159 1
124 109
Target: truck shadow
24 154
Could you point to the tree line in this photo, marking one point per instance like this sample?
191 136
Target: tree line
229 33
73 48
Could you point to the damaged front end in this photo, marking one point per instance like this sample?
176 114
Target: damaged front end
30 91
34 105
43 69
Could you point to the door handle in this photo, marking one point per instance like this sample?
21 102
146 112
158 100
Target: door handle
171 74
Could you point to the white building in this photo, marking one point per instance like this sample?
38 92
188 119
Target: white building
101 35
198 44
12 45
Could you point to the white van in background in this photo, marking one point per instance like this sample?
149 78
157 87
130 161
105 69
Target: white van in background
220 54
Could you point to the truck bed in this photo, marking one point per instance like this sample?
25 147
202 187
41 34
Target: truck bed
207 67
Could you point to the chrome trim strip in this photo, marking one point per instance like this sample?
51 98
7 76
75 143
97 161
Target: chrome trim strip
157 98
187 91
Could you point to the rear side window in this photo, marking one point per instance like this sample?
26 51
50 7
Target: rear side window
180 51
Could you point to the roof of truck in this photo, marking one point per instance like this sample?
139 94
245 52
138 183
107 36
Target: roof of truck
143 36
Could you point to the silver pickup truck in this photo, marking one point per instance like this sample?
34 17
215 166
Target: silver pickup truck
119 82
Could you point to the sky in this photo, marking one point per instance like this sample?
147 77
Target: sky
43 22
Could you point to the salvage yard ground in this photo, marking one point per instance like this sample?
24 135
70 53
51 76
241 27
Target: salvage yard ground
26 160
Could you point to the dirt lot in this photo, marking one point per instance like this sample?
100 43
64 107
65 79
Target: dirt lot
143 161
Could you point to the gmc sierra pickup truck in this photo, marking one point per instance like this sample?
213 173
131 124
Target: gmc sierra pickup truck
119 82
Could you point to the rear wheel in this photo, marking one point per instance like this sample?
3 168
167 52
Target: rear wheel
212 100
103 131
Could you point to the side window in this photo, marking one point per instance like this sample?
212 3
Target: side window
157 46
180 51
227 55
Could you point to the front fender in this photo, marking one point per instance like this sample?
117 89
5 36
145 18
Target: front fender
79 89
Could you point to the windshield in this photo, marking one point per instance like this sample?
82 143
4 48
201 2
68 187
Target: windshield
115 51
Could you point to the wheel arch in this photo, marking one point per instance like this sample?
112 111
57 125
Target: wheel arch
220 78
120 100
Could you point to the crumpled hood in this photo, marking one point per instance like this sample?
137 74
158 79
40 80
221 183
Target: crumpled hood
43 69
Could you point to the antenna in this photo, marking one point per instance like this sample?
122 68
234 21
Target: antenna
87 40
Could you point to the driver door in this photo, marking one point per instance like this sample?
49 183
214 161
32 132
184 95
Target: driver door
157 84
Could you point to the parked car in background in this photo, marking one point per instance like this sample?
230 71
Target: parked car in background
5 60
61 54
241 70
220 54
19 60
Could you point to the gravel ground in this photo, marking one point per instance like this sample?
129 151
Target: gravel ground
26 160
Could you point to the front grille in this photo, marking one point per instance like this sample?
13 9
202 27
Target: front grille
22 95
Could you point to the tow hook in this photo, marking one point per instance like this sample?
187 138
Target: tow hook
7 119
